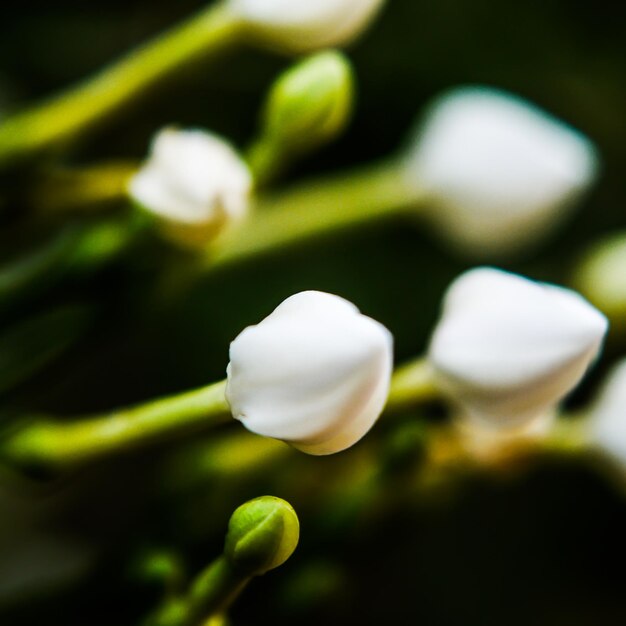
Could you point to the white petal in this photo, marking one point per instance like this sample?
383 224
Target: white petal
608 417
305 25
501 172
508 349
192 178
314 373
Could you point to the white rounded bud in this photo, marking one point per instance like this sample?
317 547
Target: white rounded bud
298 26
194 183
607 422
500 172
315 373
508 349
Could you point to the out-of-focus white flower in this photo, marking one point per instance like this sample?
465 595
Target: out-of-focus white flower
500 172
607 422
601 277
194 183
315 373
508 349
305 25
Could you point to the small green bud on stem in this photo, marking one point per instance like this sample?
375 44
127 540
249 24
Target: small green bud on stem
308 106
262 534
311 102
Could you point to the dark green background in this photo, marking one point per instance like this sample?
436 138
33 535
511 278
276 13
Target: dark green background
548 549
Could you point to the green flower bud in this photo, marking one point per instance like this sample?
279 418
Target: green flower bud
262 534
311 103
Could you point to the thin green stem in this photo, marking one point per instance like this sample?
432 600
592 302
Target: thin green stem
209 596
412 384
64 444
59 445
265 160
213 591
316 209
83 189
82 108
305 212
568 437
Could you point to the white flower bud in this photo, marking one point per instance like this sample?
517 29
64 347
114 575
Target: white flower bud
194 183
500 172
600 276
315 373
508 349
298 26
607 423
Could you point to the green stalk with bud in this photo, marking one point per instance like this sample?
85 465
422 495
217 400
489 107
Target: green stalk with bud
262 534
61 121
53 445
307 107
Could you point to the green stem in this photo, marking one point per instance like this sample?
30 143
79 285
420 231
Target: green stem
213 591
307 211
58 445
412 384
315 209
210 595
81 189
568 437
80 109
265 160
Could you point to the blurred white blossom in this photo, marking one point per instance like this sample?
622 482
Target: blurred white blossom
607 421
194 183
601 277
500 172
315 373
508 349
306 25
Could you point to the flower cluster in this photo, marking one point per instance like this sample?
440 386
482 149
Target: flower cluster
316 372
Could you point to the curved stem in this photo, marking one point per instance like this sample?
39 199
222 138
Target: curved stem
60 445
63 118
83 189
305 212
317 208
213 591
265 162
412 384
568 437
209 596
